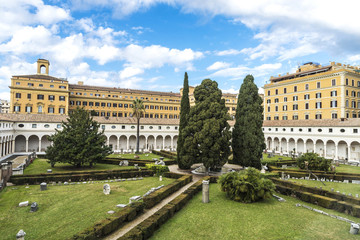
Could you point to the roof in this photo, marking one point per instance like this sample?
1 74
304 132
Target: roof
14 117
39 76
125 90
300 74
351 122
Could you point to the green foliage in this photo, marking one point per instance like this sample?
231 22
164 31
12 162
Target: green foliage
246 186
138 112
207 135
183 162
315 162
158 169
248 140
79 142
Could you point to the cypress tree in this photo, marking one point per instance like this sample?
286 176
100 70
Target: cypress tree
207 132
247 136
184 112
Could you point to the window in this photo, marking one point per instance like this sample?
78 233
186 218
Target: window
122 127
114 104
21 125
347 92
306 86
284 118
295 88
284 90
318 85
353 104
319 130
30 84
284 107
103 104
276 108
318 105
355 130
72 103
62 87
334 115
307 96
268 108
61 98
17 83
295 117
276 92
102 126
51 86
39 109
78 103
84 103
40 85
62 110
40 97
347 103
108 104
333 103
268 93
29 96
358 83
58 126
306 116
268 118
342 130
295 98
125 106
333 93
159 127
113 126
276 100
333 82
347 82
50 110
318 116
268 101
295 107
34 125
28 109
78 93
318 95
306 105
285 99
309 129
352 83
276 118
330 130
51 97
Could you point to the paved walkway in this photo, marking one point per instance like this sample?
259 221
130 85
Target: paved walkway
147 213
18 161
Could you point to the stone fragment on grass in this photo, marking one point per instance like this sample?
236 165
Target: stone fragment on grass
24 204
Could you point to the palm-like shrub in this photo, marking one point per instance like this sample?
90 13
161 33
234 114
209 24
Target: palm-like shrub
315 162
246 186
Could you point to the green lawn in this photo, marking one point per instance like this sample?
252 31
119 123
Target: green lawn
145 156
270 219
342 187
64 210
40 166
275 158
342 168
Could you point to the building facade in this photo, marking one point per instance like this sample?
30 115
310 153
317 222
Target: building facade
314 92
4 106
44 94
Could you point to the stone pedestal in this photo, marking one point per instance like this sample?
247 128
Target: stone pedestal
205 191
43 186
354 228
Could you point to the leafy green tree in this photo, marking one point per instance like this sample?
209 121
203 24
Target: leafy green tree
313 162
248 140
207 133
184 112
138 112
79 142
246 186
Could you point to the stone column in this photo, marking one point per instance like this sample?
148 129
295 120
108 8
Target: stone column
163 146
287 146
205 191
349 152
1 151
336 151
314 147
27 145
325 150
172 143
118 142
127 143
39 144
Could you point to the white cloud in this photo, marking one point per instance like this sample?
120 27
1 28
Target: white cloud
231 90
130 72
218 65
228 52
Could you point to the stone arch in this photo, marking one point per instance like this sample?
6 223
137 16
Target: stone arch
269 143
20 143
45 143
113 142
167 142
354 150
150 142
122 142
159 142
175 139
300 145
309 145
291 145
319 148
132 142
283 145
276 144
33 143
330 149
142 142
342 150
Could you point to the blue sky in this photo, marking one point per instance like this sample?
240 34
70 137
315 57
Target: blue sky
149 44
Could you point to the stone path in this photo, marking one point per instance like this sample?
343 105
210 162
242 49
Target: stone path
18 161
147 213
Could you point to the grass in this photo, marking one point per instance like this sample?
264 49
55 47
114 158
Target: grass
40 166
342 168
342 187
270 219
144 156
64 210
274 159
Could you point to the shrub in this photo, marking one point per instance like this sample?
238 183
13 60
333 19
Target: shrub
246 186
315 162
158 169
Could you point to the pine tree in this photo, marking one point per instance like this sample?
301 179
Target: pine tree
79 142
183 163
207 132
247 136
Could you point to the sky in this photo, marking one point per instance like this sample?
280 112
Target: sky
150 44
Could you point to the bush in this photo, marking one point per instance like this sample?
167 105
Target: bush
246 186
315 162
158 169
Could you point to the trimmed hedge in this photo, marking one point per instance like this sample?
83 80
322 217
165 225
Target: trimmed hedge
168 152
157 196
116 161
164 154
145 229
76 176
111 223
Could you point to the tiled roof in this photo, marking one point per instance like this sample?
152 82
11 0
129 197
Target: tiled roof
351 122
40 76
124 90
104 120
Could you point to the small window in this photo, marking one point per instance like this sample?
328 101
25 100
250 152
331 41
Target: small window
141 127
34 125
58 126
342 130
52 86
122 127
355 130
269 129
284 129
330 130
291 129
276 129
168 127
319 130
300 129
17 83
113 126
159 127
132 127
46 126
309 129
21 125
102 126
151 127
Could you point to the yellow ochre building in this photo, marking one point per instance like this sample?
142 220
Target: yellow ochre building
314 92
43 94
